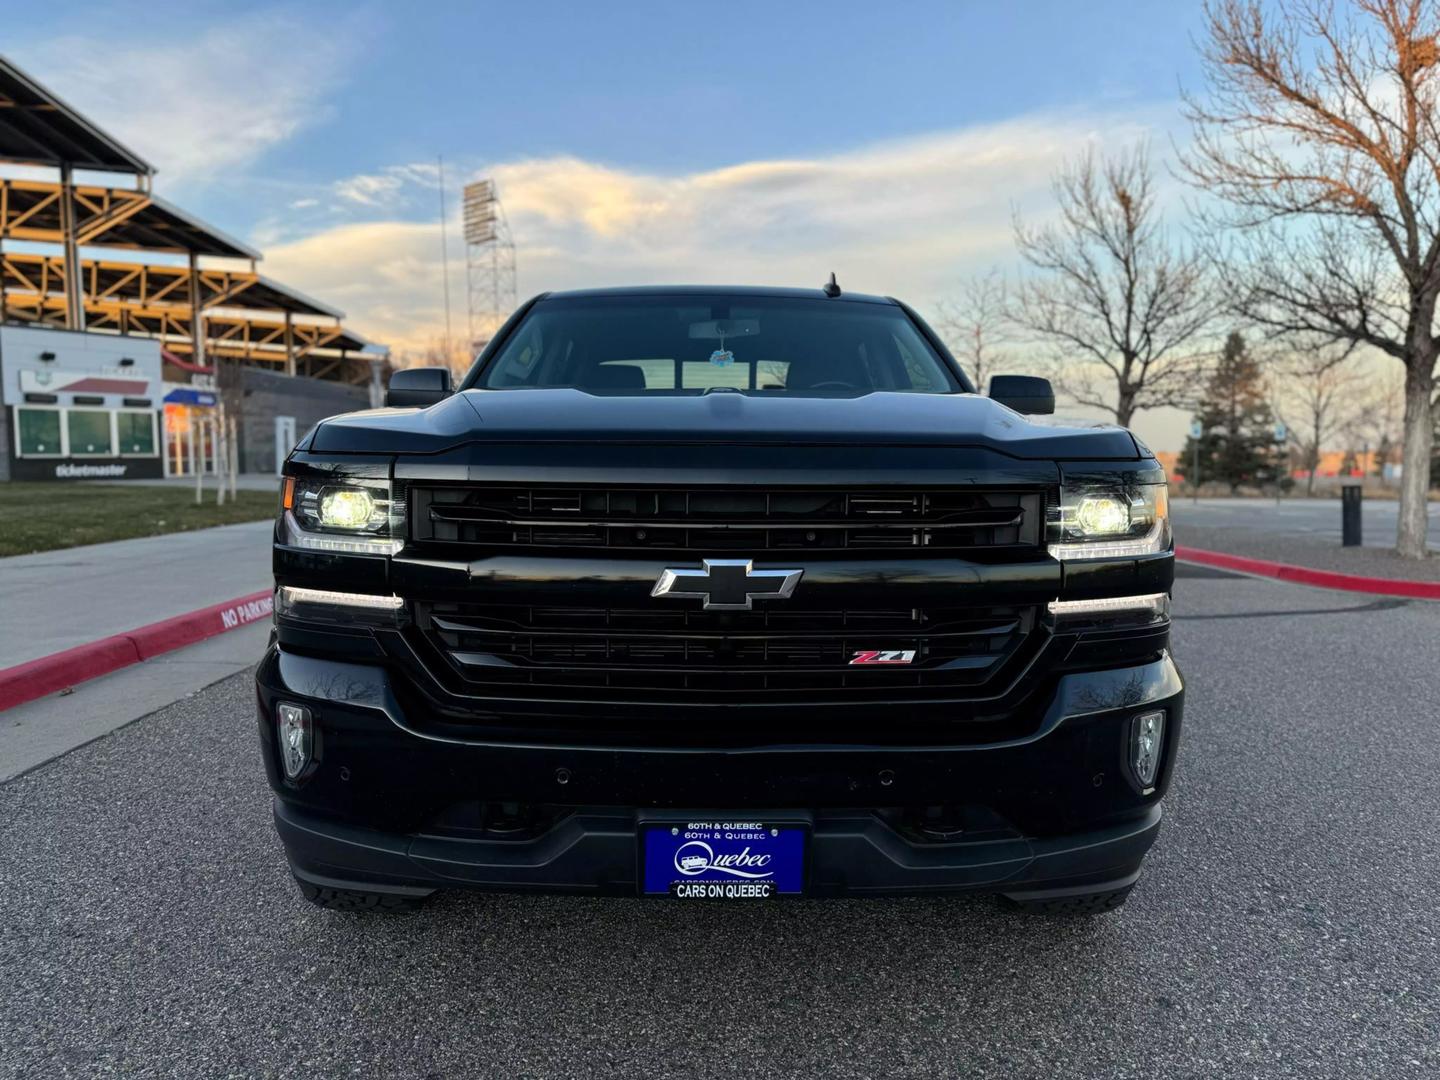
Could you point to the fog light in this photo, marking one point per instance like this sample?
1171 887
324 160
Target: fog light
1147 735
295 740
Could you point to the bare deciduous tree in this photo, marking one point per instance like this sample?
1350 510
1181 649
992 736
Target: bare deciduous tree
1321 132
976 327
1123 310
1315 394
1380 414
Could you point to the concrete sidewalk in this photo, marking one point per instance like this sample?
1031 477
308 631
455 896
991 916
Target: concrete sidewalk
1313 522
1310 552
55 600
33 733
243 482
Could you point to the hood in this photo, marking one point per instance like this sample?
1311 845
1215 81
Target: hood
725 418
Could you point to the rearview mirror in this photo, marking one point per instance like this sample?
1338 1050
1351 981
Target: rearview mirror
1024 393
720 329
418 387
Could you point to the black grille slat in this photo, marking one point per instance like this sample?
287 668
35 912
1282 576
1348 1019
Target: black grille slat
483 626
725 519
531 649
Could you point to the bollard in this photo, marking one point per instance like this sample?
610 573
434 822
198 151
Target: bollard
1350 496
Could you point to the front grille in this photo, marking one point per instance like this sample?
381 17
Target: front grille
529 651
716 520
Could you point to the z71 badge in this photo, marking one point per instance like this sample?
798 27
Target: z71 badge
884 656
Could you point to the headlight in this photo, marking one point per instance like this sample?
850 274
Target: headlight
346 508
1105 519
343 514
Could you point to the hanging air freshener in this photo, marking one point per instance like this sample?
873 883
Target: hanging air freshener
722 357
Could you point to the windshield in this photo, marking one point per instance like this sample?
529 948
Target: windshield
691 344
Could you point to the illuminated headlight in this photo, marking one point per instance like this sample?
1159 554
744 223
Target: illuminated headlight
1147 737
1108 520
346 508
343 514
293 728
1102 515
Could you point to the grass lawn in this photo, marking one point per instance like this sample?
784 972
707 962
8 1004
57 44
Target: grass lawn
42 517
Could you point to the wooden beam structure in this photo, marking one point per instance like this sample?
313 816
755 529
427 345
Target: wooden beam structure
197 311
160 302
101 216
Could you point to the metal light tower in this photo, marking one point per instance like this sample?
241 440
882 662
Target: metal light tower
489 261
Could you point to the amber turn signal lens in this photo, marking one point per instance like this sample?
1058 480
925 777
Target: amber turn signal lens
287 499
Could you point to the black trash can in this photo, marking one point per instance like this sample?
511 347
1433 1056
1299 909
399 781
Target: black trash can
1350 501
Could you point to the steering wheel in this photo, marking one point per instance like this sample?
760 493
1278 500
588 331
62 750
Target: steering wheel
832 385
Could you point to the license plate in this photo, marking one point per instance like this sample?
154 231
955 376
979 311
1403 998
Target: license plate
723 860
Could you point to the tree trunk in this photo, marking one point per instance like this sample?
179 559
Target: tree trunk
1419 445
1125 402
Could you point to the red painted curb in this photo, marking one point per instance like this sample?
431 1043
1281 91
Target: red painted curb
1302 575
36 678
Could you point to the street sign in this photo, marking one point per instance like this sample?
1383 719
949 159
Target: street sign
1281 431
1197 429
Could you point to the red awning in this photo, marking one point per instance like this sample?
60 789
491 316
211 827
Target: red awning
185 365
106 386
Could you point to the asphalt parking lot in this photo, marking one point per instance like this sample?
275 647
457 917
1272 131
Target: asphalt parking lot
1286 925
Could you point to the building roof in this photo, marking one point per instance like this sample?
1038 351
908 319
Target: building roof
163 226
275 296
261 338
109 217
147 284
37 128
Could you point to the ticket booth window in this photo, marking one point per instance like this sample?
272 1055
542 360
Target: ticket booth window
89 431
38 432
135 432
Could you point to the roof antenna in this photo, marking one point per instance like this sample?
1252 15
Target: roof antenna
832 287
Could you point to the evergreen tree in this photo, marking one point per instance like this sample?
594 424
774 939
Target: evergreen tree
1238 446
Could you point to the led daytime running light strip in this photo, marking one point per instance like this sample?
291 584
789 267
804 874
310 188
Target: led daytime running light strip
1149 544
1156 603
292 594
339 542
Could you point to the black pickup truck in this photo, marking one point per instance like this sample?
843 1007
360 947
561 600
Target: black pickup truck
699 592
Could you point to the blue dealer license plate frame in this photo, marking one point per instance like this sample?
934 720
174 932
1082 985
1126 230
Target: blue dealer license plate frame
730 857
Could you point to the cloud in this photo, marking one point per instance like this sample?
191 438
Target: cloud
907 218
386 275
389 187
203 106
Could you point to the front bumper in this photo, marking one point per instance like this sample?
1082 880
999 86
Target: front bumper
595 850
1054 810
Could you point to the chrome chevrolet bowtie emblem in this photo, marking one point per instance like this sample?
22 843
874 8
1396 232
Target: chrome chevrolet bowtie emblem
727 584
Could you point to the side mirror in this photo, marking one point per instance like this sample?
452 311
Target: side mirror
1023 393
418 387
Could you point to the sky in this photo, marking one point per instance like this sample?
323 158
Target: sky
749 143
